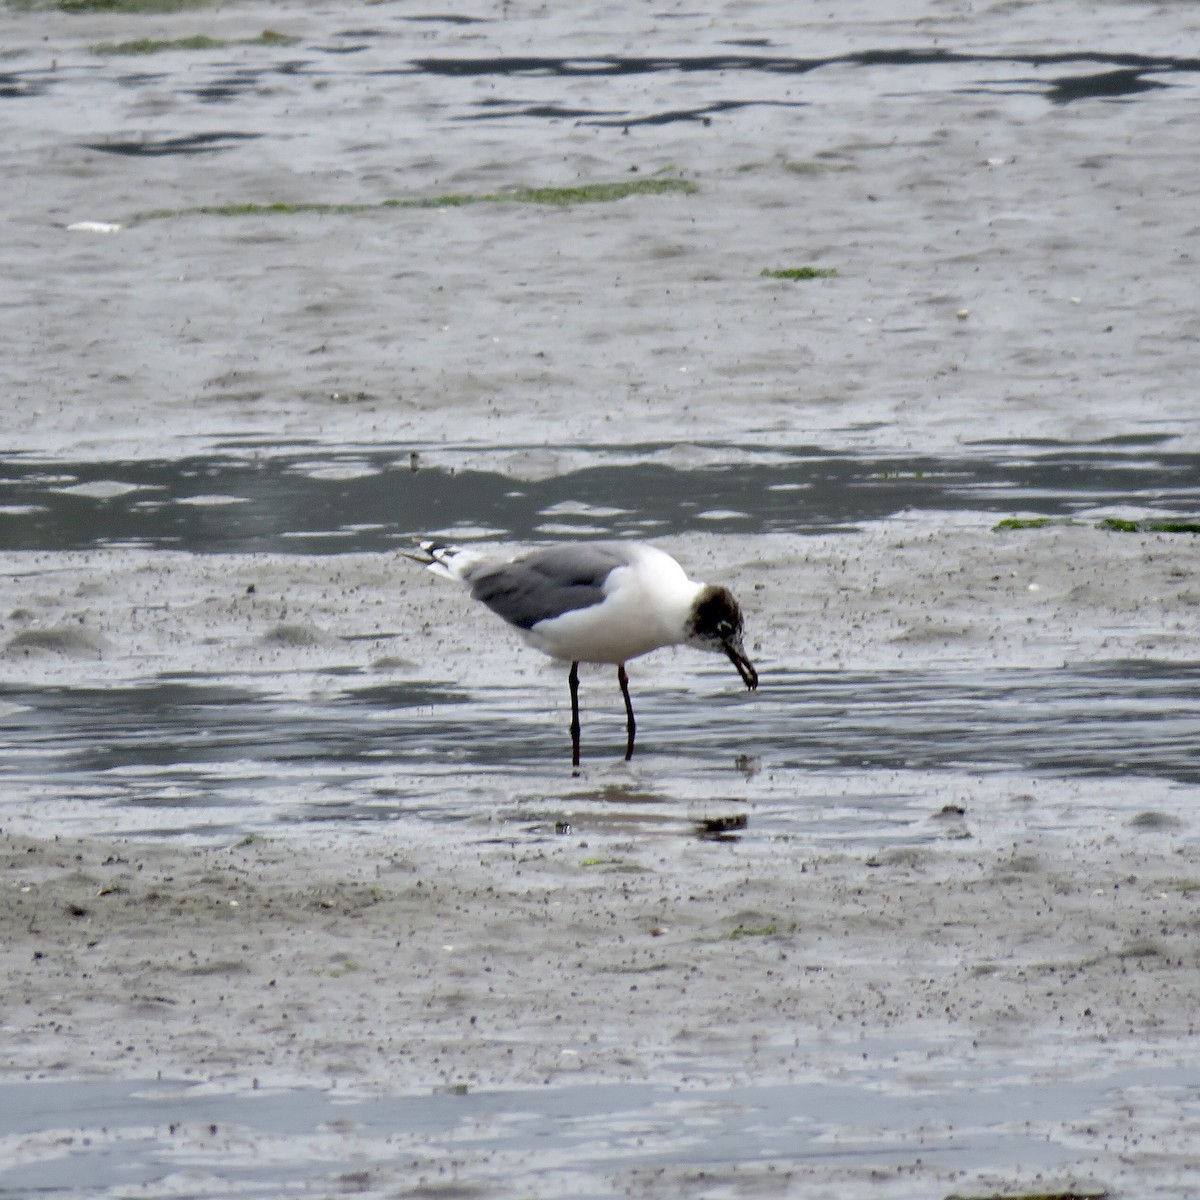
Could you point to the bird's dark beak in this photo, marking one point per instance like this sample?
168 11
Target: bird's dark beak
745 668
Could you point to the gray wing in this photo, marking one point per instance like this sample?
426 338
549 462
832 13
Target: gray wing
548 583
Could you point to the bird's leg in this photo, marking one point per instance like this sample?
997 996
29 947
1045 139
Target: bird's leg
630 723
573 680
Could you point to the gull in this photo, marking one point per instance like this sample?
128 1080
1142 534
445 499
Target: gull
597 602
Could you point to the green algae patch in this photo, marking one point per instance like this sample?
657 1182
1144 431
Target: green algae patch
1116 525
916 474
591 193
256 210
613 866
1070 1194
742 931
199 41
1112 524
805 167
797 274
555 197
634 969
345 966
111 6
1028 522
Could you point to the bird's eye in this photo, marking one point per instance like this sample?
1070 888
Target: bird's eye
724 628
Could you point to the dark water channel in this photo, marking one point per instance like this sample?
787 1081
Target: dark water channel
737 77
311 500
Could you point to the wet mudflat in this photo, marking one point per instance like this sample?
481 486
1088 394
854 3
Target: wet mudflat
300 892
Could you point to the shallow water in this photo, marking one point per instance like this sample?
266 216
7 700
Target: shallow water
223 758
315 499
890 1105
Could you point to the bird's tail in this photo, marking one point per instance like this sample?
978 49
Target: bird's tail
450 562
